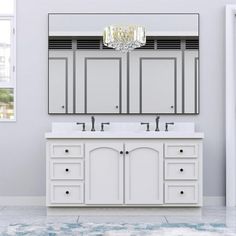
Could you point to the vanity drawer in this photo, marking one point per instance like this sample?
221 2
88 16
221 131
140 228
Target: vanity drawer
173 150
67 170
67 193
181 193
66 150
181 169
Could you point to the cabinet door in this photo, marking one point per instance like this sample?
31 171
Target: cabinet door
191 81
101 82
144 173
155 82
60 82
104 173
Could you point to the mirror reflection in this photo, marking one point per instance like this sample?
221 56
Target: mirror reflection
88 77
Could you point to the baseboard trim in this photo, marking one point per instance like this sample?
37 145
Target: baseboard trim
213 201
41 201
22 201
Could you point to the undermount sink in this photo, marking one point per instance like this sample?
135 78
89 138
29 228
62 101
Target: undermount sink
123 130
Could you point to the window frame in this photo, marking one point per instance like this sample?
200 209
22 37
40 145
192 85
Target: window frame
12 83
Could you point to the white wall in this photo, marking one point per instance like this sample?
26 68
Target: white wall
22 158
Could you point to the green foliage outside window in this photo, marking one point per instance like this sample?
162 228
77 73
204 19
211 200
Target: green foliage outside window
6 103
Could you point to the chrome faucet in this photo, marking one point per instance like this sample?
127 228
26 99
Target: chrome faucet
93 124
157 123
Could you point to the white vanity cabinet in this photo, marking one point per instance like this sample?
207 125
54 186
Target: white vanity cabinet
65 172
117 169
124 171
143 173
183 172
104 173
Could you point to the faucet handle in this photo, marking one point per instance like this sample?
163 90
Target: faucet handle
167 124
102 125
83 125
147 124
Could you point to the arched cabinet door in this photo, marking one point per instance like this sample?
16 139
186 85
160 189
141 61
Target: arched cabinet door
104 173
143 173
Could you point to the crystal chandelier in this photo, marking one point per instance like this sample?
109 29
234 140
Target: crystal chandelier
124 38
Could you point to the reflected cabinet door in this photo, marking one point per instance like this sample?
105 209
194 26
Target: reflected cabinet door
60 82
57 75
191 78
155 82
100 82
144 173
104 173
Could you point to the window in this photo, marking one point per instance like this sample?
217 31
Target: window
7 61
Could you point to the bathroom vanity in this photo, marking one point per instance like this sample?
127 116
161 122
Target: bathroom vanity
124 166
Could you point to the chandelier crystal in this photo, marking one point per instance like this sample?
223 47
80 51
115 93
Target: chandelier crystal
124 38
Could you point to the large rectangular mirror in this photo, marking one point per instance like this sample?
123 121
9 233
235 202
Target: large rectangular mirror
86 77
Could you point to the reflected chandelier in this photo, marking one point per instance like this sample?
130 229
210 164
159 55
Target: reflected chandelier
124 38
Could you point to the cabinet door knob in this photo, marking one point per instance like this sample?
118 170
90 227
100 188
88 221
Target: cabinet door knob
127 152
67 170
121 152
66 150
182 192
67 192
117 106
63 106
181 170
181 150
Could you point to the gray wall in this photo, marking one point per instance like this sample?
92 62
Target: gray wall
22 143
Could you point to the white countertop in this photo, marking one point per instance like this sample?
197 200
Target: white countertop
124 135
124 131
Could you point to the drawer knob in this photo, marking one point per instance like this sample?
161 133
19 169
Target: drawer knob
181 150
67 192
121 152
182 192
66 150
67 170
181 170
126 152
